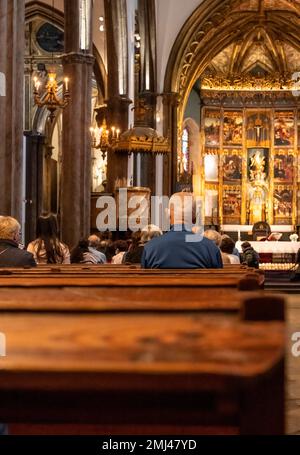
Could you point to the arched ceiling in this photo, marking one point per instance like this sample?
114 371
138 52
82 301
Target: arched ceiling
261 48
235 37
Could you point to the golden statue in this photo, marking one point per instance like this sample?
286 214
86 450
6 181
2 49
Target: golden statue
257 205
257 167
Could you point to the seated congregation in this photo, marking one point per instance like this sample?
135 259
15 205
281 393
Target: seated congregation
136 320
180 248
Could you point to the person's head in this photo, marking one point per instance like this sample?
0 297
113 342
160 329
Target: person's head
149 232
214 236
245 246
94 241
120 246
182 208
77 252
10 229
46 227
106 236
227 245
135 239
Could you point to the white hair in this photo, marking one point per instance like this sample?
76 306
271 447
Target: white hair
149 232
214 236
9 227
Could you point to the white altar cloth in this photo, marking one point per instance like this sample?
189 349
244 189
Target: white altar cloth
273 247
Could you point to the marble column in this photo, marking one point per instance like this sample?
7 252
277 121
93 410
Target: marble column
75 197
11 106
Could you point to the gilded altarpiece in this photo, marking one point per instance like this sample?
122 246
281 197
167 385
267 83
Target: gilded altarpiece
255 164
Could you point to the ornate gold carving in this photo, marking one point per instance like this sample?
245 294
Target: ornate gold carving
249 83
142 140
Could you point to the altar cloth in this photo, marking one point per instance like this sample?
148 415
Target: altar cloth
273 247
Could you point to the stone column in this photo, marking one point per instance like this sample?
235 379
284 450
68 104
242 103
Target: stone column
78 62
170 103
147 79
146 82
118 101
34 183
11 106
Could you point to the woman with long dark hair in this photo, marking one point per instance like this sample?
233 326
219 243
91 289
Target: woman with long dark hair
82 255
47 249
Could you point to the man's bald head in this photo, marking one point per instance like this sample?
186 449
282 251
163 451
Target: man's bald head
182 207
94 241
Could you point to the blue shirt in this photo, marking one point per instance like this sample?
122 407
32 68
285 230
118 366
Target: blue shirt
173 251
100 257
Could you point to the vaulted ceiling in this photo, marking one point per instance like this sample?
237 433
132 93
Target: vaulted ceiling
268 44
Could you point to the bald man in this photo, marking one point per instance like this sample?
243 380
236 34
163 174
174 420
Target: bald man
181 247
94 244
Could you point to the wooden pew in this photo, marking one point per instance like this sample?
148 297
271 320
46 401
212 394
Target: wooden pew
166 291
126 299
143 373
64 305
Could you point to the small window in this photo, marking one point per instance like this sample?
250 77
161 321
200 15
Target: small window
50 38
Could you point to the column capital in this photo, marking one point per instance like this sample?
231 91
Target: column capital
78 57
171 98
116 100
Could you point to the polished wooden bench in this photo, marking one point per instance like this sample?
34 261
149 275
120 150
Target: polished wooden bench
67 275
94 299
143 373
165 290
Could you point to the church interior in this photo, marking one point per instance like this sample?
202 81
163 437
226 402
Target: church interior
158 98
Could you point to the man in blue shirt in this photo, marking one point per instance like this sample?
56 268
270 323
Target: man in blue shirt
180 248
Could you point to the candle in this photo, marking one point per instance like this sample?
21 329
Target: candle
36 83
113 129
118 133
67 84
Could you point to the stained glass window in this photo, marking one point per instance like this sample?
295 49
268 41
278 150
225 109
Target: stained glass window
185 151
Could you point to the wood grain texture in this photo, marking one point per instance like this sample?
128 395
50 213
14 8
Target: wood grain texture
110 299
143 371
142 344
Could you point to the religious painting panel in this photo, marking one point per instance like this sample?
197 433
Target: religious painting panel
284 129
284 166
232 204
258 164
283 204
211 167
232 167
212 124
233 128
258 126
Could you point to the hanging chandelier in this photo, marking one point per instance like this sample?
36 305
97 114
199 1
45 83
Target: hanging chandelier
50 99
107 137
